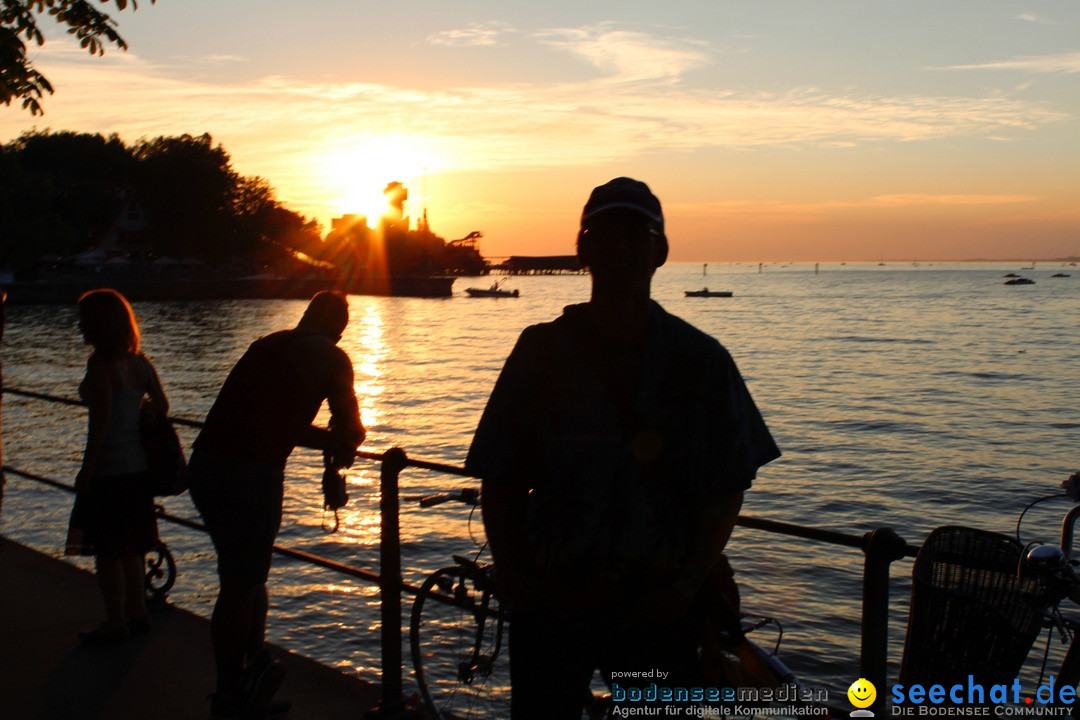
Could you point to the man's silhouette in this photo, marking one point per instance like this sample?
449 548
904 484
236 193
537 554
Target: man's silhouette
614 453
237 472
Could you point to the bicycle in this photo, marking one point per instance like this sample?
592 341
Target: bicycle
979 602
1051 569
457 635
458 639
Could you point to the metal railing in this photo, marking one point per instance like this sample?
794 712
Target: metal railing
880 547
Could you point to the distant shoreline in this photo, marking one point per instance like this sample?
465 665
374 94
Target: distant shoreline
250 288
893 261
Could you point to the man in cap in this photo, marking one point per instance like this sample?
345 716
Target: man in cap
237 473
614 453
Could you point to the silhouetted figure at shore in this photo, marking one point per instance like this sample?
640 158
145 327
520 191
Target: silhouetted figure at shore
264 409
614 451
113 517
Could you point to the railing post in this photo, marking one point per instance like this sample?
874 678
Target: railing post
882 547
392 704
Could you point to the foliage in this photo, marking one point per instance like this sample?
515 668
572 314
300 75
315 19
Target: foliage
19 80
63 193
187 186
266 229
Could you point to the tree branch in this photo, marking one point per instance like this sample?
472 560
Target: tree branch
19 20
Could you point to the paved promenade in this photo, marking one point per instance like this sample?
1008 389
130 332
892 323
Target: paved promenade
46 674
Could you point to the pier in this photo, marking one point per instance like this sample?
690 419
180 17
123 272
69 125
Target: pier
46 674
542 265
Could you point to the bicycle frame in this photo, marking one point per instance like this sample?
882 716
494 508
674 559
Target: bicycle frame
485 650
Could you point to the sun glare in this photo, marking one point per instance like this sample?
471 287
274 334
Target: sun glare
360 167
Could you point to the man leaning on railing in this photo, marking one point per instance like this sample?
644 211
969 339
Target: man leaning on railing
237 471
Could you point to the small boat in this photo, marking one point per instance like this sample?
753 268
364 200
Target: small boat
1020 281
1061 275
706 292
1010 275
493 291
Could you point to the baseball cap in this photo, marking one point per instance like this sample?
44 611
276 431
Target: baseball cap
624 192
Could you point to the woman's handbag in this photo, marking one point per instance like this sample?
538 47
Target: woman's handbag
165 460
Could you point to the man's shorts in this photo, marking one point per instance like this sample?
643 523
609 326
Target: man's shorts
240 502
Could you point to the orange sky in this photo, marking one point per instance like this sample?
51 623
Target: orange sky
858 131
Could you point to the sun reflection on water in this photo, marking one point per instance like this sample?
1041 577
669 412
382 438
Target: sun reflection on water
367 347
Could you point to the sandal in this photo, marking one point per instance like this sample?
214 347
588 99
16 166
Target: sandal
140 626
104 635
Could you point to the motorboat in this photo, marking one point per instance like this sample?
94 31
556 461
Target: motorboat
706 292
493 291
1020 281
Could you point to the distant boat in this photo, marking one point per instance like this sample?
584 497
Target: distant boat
1020 281
493 291
706 292
1010 275
1061 275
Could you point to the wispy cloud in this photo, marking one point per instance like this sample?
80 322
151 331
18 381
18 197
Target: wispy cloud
626 55
277 126
534 124
1061 63
220 59
1028 17
474 34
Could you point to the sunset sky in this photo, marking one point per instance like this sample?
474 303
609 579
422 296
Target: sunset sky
771 130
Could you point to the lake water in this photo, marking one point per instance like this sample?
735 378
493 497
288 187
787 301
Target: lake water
903 396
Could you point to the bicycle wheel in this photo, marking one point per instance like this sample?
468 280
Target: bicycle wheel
458 635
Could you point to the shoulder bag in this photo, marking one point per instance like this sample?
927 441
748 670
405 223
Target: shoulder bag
165 460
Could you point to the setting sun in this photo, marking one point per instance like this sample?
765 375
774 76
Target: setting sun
360 167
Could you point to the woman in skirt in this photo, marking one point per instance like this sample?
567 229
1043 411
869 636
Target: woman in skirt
113 518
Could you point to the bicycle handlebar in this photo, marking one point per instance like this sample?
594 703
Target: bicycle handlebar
466 496
1067 531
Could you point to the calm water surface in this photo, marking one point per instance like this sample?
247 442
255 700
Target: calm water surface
901 396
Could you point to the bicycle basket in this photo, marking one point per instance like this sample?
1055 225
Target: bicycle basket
970 615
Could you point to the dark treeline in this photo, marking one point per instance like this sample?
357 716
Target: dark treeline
62 193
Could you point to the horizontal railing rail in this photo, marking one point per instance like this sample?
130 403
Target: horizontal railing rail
880 547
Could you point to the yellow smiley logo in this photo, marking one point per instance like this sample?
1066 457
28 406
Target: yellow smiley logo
862 693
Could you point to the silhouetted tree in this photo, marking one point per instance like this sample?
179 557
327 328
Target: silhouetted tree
188 188
267 231
19 80
59 192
